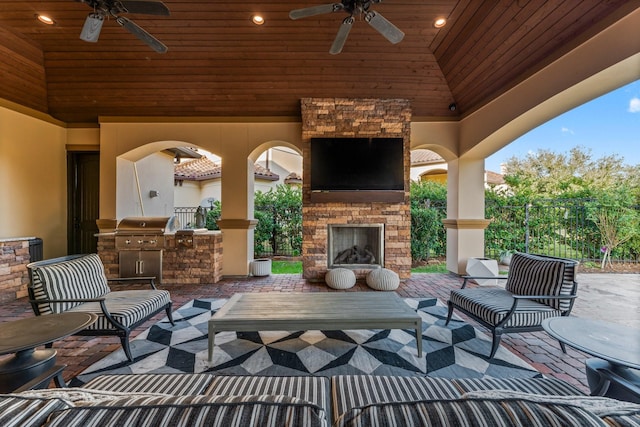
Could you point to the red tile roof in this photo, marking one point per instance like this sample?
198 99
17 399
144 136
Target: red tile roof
204 168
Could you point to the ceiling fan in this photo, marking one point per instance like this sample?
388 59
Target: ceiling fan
113 8
354 8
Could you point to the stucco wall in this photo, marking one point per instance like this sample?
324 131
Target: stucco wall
33 192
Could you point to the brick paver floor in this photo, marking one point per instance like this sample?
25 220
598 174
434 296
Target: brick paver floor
536 348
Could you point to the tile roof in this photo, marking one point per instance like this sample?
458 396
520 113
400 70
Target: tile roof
422 157
204 168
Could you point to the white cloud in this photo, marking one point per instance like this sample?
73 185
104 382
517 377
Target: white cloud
567 130
634 105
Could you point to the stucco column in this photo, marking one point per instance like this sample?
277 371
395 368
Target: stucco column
465 221
237 222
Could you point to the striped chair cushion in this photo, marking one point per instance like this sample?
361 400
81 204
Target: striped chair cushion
492 306
545 386
188 411
77 278
469 413
176 384
533 275
352 391
311 389
126 307
27 411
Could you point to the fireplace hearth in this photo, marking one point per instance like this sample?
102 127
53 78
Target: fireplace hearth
355 245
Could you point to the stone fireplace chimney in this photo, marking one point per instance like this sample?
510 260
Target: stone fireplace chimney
355 118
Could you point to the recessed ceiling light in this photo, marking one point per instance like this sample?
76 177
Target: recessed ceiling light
45 19
257 19
440 22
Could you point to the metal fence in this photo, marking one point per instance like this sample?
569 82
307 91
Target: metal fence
187 216
553 227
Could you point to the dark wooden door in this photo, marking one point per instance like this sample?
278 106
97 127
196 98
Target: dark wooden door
83 195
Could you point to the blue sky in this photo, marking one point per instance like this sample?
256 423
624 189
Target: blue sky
607 125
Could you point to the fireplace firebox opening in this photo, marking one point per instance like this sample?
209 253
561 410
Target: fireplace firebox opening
355 245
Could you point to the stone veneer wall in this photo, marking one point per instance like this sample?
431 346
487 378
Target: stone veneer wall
199 265
14 277
331 117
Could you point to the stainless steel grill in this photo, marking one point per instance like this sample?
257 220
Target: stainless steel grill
140 241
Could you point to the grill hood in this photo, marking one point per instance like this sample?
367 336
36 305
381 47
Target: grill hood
147 225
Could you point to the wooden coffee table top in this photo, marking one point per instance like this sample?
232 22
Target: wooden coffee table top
327 309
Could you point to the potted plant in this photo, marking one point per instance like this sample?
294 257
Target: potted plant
505 256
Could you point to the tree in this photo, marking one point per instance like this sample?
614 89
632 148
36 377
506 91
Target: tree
546 174
428 208
279 215
616 220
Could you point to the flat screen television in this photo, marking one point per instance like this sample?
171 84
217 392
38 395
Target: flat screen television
357 165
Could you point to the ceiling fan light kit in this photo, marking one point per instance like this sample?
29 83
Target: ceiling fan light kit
92 26
354 8
114 8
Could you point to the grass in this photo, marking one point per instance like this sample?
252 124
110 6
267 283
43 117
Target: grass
286 267
295 267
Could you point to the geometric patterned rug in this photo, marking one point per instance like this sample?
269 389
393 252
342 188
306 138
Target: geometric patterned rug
456 351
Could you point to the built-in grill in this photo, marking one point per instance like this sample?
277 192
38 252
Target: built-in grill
139 241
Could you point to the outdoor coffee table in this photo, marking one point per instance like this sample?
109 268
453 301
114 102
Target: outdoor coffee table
283 311
616 348
22 337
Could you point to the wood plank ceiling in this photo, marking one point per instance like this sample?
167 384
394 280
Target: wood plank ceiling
220 64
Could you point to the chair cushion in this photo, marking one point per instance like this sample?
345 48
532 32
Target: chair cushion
493 304
77 278
353 391
187 411
126 307
533 275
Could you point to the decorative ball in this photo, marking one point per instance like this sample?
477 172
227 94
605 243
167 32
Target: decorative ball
383 279
340 278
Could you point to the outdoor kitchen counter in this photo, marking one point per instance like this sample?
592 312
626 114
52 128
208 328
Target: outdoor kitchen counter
196 262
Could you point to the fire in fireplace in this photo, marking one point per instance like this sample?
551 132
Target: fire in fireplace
355 245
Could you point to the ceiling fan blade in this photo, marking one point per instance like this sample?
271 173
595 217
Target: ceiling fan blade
147 7
140 33
384 27
341 37
315 10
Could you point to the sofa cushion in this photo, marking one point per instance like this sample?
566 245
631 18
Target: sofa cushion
533 275
627 420
311 389
27 411
126 307
469 413
611 411
176 384
81 277
546 386
493 304
351 391
187 411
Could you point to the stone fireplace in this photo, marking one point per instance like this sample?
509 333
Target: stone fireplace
355 245
329 228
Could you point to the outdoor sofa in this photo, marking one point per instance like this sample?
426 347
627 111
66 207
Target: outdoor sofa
212 400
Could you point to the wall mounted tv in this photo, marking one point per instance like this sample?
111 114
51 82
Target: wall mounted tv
357 169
